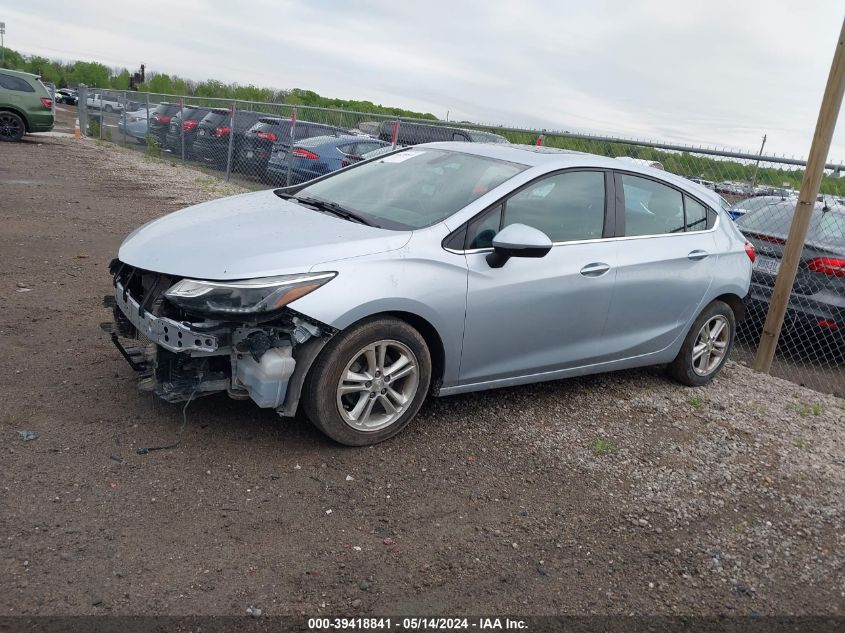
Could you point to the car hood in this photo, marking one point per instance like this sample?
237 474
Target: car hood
250 235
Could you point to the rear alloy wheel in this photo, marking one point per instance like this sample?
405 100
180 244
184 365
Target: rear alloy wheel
707 346
12 127
369 382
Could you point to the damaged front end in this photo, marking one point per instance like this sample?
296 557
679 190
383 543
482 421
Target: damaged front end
188 337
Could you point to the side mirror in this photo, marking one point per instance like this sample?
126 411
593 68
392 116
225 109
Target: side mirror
518 240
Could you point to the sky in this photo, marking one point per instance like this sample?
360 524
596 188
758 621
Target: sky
712 73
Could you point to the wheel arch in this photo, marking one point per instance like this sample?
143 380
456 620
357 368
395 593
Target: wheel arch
736 304
432 340
20 113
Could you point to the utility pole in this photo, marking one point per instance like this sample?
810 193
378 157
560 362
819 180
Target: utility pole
757 165
2 43
829 111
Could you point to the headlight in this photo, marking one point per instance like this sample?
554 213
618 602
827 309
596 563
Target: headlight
247 297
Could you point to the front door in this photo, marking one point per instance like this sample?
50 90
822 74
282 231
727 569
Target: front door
537 315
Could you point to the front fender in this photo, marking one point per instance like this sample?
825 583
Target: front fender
420 278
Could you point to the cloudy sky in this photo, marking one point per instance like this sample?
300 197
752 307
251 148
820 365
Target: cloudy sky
711 73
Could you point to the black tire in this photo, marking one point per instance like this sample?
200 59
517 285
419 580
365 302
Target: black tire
321 401
682 368
108 108
12 127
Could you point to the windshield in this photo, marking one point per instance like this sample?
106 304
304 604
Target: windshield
414 188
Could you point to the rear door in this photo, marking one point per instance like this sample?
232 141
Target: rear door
665 266
539 315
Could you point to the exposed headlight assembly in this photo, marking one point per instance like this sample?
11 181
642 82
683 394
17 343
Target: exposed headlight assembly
247 297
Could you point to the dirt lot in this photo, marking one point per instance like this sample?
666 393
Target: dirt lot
617 494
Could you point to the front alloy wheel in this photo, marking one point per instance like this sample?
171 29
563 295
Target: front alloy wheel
377 385
368 382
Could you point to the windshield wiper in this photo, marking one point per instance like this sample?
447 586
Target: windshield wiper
335 209
324 205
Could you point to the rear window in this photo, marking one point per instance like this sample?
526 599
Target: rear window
195 114
168 109
775 220
216 117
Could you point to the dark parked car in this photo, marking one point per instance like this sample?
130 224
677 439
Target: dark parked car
415 133
66 95
281 145
816 310
211 144
160 121
189 121
321 155
271 134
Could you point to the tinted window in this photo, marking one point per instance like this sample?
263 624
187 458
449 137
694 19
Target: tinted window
651 208
414 188
482 230
167 108
566 207
696 215
215 118
775 220
15 83
363 148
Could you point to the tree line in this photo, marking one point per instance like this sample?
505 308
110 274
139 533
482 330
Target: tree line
96 75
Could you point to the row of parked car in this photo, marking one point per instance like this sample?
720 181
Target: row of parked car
743 188
262 147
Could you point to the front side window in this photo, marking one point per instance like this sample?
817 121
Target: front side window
566 207
414 188
483 229
651 208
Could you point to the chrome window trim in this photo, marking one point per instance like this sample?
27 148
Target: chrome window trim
472 251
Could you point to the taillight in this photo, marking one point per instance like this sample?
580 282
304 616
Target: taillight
222 131
47 102
267 136
345 162
750 251
304 153
188 125
162 118
827 266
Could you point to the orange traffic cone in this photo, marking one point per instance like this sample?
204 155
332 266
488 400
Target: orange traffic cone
76 132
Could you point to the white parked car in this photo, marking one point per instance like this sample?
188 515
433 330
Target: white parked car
107 103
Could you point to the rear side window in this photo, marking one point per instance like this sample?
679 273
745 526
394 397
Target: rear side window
15 83
696 215
651 208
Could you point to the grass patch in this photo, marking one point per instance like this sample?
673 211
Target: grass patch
816 409
153 148
602 446
696 402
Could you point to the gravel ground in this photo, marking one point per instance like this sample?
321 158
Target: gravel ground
615 494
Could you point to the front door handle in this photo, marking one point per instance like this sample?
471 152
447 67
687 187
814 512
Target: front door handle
596 269
697 255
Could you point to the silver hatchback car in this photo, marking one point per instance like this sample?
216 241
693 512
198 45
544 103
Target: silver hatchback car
439 269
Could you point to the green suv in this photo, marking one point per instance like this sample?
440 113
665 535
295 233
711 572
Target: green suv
25 105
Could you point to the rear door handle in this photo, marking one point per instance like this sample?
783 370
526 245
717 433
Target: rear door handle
697 255
596 269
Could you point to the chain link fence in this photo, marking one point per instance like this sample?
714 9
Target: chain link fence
268 144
